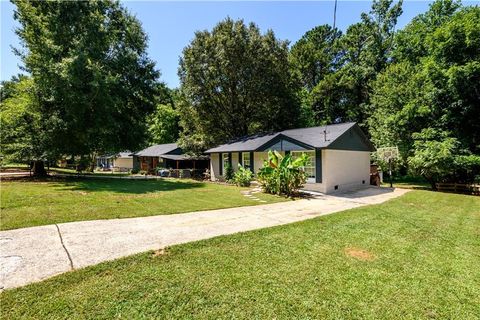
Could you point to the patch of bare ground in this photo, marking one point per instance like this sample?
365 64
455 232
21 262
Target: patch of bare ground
359 254
160 252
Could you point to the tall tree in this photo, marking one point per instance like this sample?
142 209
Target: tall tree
22 138
410 42
92 76
367 46
163 123
337 70
437 87
316 55
314 59
235 81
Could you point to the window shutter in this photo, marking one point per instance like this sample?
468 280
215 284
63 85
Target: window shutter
318 165
220 162
252 167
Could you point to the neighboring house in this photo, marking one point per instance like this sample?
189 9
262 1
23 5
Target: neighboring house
123 161
339 154
169 156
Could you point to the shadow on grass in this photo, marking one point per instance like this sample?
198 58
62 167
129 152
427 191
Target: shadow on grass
132 186
408 186
415 187
129 186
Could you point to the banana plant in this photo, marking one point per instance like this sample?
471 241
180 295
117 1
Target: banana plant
283 174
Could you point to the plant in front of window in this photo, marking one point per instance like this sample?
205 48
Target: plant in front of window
283 174
243 177
228 172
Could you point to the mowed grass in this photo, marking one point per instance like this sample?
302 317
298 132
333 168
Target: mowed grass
407 182
30 203
414 257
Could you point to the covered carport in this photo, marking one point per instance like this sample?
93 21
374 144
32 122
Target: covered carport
183 161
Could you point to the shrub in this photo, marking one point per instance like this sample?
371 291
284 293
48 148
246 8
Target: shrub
228 173
207 174
184 173
438 158
242 177
283 174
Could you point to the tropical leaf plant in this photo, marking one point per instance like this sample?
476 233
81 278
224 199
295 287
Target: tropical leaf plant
283 174
243 176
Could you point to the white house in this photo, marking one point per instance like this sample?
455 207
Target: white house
339 153
122 161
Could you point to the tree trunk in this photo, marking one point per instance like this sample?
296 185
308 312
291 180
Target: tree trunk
93 159
433 183
38 168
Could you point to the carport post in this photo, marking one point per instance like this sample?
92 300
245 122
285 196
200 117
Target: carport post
390 171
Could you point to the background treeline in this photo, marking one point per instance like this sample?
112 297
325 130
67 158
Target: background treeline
93 89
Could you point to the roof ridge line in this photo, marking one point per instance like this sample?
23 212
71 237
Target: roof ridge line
325 125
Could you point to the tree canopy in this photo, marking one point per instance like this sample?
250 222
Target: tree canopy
92 87
163 123
436 87
432 86
22 137
91 75
337 69
235 81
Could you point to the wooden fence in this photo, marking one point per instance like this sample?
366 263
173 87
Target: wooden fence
459 188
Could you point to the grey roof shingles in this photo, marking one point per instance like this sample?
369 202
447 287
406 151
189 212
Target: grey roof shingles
184 157
157 150
249 143
314 137
125 154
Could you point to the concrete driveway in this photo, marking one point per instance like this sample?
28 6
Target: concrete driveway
33 254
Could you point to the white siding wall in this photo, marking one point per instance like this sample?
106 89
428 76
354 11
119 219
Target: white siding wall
342 168
124 163
319 187
347 169
258 159
214 166
235 161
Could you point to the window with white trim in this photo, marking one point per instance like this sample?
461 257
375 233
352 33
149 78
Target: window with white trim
310 166
246 160
225 161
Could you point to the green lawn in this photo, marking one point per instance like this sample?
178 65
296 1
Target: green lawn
415 257
407 182
25 204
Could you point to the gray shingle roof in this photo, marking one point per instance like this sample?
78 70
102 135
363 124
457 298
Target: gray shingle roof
157 150
125 154
248 143
314 137
184 157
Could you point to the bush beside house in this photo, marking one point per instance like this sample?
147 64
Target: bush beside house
283 174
